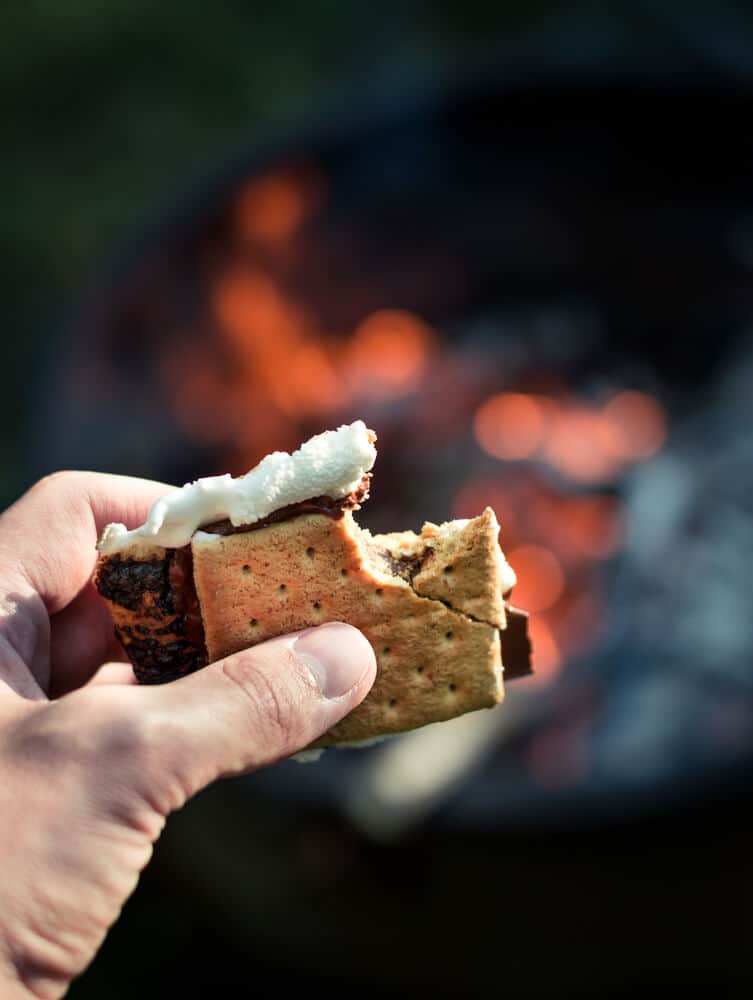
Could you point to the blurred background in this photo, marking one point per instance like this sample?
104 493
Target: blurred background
516 239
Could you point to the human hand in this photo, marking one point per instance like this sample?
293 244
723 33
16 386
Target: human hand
91 764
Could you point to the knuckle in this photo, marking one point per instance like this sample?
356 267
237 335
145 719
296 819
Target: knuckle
271 713
62 479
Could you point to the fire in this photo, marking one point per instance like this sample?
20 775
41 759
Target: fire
271 209
389 352
586 443
575 445
510 425
476 494
547 658
579 528
540 577
274 372
633 425
593 526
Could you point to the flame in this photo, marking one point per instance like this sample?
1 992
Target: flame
510 425
579 528
633 425
476 494
389 352
271 209
311 382
594 526
278 354
575 445
547 658
541 581
583 442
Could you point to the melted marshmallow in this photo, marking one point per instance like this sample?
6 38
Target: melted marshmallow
331 464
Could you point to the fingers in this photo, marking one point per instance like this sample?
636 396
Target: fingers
118 674
81 638
252 708
47 556
49 535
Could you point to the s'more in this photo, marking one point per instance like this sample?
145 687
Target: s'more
224 563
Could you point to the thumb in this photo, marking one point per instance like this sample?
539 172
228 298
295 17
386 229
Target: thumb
254 707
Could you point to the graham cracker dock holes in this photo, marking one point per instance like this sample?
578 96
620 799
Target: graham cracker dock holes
245 569
314 569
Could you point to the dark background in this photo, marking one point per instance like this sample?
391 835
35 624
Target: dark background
111 112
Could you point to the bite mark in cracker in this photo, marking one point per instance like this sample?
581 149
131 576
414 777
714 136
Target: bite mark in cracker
435 661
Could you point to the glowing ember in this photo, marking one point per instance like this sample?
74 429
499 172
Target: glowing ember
274 371
311 382
633 426
389 351
510 425
547 658
271 209
594 526
579 528
575 445
540 577
476 494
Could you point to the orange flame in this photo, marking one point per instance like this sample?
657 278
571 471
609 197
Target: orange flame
389 352
510 425
271 209
540 577
594 526
633 425
579 528
547 658
575 445
476 494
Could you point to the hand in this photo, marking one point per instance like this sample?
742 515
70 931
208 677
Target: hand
91 764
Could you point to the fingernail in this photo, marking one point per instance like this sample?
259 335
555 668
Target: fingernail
336 654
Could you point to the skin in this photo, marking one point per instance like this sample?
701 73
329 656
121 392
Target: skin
91 764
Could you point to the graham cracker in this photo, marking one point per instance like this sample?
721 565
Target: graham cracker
434 662
459 564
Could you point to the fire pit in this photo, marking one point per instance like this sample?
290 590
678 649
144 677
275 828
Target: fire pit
538 298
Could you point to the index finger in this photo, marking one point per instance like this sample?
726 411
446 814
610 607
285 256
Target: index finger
47 557
49 536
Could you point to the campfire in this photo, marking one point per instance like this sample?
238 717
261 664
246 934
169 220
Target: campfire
525 327
265 371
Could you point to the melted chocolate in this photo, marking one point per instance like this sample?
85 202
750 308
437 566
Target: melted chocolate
316 505
516 644
403 566
185 598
